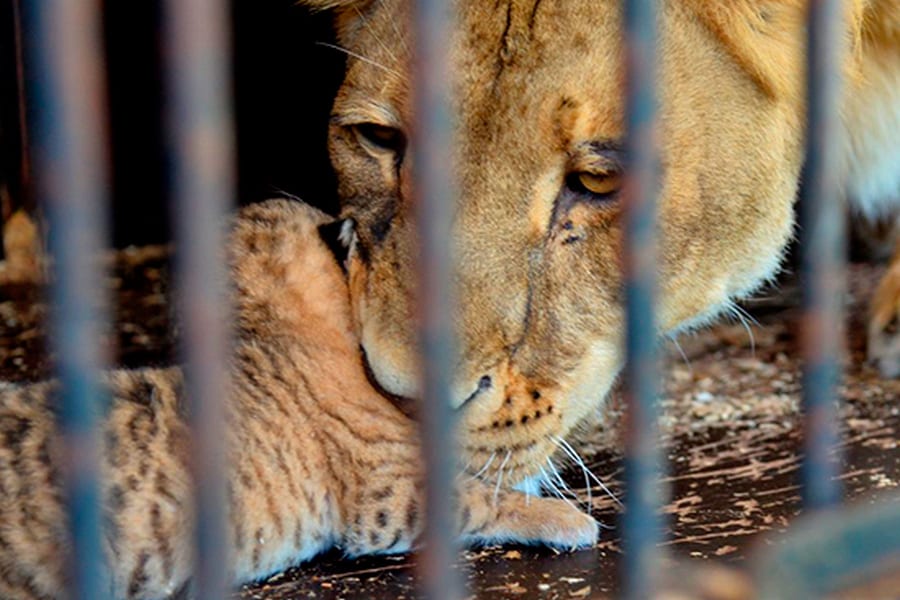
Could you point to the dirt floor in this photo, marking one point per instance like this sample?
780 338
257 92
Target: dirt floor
730 430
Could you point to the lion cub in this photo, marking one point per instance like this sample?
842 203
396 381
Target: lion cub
317 456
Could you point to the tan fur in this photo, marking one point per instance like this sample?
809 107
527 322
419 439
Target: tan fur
317 457
872 154
538 98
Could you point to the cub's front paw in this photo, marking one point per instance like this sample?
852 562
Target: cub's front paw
884 323
491 516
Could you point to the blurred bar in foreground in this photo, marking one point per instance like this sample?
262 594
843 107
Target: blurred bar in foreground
642 463
69 154
201 155
823 250
435 198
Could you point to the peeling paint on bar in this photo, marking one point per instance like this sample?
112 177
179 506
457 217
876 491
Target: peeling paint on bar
68 135
641 520
435 197
823 249
202 166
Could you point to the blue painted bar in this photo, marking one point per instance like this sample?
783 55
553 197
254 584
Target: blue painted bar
823 250
641 520
68 135
202 166
435 197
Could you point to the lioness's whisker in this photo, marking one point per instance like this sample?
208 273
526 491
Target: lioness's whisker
602 485
400 37
484 468
571 452
381 43
287 194
743 316
681 351
562 482
500 475
580 463
548 484
360 57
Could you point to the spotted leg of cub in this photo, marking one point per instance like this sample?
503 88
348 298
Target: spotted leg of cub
884 321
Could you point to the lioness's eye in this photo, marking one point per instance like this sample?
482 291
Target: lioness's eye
380 137
602 186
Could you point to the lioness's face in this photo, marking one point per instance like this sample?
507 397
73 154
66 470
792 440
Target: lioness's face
539 131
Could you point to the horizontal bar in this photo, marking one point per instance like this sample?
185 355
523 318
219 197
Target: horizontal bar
641 520
823 251
201 138
69 155
435 198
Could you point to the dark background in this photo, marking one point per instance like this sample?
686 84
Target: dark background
283 86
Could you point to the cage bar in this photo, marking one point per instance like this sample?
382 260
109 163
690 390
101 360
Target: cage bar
25 189
201 139
435 198
69 133
641 521
823 250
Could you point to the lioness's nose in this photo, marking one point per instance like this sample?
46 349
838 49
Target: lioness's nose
484 384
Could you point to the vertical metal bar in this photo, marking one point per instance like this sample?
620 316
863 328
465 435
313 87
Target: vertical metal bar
435 197
25 190
69 153
202 167
822 243
641 521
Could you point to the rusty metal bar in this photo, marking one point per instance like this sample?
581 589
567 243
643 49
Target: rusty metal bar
435 197
25 189
823 250
201 139
68 132
641 520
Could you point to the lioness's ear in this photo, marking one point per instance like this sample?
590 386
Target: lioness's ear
767 38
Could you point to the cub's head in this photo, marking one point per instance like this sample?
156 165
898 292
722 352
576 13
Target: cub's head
538 95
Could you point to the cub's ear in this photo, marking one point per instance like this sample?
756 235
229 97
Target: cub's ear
767 38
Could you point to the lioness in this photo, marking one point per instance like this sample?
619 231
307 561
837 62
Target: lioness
539 129
318 457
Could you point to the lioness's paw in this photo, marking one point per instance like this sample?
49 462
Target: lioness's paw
884 323
488 516
549 522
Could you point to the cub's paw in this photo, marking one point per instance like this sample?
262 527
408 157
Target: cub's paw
884 323
491 516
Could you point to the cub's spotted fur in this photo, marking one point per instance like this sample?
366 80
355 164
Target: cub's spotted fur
317 457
